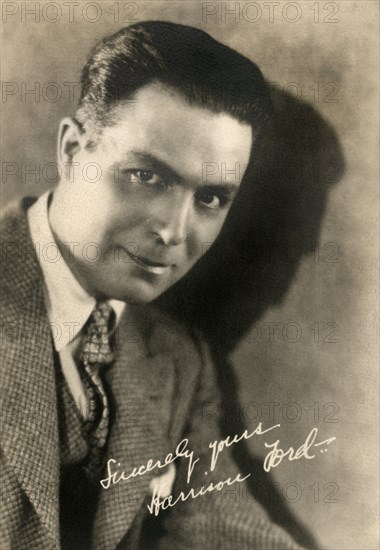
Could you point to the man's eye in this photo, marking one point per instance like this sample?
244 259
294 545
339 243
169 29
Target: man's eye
210 199
146 176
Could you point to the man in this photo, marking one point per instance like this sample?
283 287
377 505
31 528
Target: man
103 396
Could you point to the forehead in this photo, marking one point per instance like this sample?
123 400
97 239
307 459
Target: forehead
162 123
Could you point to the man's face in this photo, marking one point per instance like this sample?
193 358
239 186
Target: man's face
148 201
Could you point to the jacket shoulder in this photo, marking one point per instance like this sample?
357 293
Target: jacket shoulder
19 268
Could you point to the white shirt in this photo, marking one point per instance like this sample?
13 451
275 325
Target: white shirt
68 304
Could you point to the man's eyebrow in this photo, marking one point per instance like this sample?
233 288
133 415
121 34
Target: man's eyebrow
158 164
222 186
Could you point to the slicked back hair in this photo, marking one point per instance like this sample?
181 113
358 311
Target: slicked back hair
203 71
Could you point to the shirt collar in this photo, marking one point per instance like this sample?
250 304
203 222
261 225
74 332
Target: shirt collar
68 304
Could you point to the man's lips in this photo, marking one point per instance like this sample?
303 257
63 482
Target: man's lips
158 268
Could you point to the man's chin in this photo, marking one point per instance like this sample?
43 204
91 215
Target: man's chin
136 294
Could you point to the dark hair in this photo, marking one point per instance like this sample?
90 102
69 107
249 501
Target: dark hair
204 71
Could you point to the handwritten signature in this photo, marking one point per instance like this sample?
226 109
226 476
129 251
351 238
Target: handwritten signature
158 503
272 459
180 452
276 455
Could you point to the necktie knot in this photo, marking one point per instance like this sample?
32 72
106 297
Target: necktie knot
96 346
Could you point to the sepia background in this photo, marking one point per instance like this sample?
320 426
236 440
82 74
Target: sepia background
300 331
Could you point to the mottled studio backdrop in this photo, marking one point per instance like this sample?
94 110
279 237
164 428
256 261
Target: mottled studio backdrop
296 290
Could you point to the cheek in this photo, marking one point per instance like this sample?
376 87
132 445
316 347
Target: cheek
206 232
93 220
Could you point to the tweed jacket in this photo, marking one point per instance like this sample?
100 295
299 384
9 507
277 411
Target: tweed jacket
162 382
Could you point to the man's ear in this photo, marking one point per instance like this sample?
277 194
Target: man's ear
71 138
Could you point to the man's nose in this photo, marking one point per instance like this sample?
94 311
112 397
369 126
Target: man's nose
170 224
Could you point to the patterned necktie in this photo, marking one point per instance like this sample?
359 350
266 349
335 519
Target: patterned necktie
96 355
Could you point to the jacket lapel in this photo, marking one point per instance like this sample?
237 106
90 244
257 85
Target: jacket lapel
142 386
29 424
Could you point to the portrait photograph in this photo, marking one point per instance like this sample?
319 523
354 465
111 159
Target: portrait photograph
189 275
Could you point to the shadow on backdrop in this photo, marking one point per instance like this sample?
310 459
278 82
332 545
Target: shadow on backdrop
274 222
